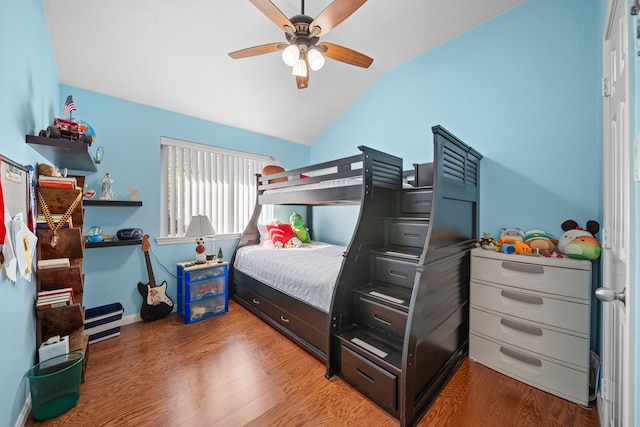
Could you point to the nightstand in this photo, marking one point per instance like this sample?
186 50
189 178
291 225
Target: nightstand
202 290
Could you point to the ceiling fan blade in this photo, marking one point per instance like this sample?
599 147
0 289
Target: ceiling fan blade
257 50
302 82
334 14
346 55
272 12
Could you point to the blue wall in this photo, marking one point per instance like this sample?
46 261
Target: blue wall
130 136
29 94
523 90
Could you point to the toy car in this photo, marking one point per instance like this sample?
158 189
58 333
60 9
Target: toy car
68 129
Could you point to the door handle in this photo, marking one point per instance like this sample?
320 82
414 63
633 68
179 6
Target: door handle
608 295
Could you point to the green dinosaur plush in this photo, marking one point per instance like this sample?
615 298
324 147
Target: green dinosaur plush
301 232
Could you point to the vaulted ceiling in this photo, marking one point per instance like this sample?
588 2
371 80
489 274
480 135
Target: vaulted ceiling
173 55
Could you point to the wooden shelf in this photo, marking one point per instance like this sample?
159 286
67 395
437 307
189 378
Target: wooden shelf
64 153
115 203
110 243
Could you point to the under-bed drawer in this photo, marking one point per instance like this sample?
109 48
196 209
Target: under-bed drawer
540 372
381 317
393 271
315 337
416 201
406 233
371 380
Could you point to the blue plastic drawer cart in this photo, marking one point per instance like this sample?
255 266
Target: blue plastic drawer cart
202 290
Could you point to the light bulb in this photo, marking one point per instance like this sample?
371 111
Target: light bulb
316 59
300 68
290 55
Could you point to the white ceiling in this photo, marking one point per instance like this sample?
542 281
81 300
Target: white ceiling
173 55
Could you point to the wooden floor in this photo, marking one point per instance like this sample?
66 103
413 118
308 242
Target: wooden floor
235 370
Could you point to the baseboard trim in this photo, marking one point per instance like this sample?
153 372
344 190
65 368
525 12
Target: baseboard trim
24 414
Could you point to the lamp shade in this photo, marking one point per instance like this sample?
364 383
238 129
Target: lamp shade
315 58
291 54
200 226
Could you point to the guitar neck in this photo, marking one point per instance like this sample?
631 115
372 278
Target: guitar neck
152 280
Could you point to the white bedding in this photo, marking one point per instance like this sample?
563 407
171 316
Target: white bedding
308 273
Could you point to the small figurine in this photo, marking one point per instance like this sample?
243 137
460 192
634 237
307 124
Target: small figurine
133 193
220 255
201 257
107 194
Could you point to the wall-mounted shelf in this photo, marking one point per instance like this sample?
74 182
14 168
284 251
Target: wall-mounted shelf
63 153
119 203
110 243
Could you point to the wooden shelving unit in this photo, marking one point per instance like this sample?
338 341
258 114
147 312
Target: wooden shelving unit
63 153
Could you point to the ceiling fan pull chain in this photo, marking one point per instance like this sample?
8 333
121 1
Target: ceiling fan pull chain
302 7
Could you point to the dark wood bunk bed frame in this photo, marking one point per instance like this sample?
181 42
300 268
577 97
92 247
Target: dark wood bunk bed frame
398 322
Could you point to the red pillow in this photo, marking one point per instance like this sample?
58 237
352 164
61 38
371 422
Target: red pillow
280 233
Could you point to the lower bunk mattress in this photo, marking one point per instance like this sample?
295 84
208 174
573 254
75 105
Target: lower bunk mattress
308 273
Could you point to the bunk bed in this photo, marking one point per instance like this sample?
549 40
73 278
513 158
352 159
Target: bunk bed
300 310
396 325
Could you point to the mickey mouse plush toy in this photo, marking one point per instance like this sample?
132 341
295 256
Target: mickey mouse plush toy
579 243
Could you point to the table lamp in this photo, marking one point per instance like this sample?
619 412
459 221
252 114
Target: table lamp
200 227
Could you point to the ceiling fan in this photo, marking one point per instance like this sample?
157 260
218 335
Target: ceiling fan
302 50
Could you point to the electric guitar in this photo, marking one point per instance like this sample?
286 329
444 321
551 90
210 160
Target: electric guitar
155 302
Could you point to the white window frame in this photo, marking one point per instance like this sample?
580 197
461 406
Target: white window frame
199 196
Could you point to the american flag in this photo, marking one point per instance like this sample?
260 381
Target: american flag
69 106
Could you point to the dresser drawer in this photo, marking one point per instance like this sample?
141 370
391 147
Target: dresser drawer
568 277
371 380
531 336
381 317
393 271
405 233
561 380
533 306
416 202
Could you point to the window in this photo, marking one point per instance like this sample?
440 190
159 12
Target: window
204 180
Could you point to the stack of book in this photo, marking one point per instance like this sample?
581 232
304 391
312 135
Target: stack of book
45 264
64 182
41 221
56 298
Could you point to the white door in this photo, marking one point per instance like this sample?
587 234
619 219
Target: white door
615 404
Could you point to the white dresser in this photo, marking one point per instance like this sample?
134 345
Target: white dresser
530 319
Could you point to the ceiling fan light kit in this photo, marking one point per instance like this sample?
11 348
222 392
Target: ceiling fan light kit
302 34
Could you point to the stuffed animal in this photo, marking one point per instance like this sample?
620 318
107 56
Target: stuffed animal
579 243
510 236
297 223
539 241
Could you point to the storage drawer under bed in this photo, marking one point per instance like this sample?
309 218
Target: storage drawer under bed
284 318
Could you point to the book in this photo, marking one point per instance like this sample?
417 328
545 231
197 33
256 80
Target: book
62 182
44 264
41 221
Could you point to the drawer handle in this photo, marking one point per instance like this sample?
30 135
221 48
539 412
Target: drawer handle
525 268
381 320
521 327
521 357
284 319
367 377
530 299
412 235
398 273
255 301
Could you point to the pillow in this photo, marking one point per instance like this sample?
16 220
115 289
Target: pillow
280 234
264 234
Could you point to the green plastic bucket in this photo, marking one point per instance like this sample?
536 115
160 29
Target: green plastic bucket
55 385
